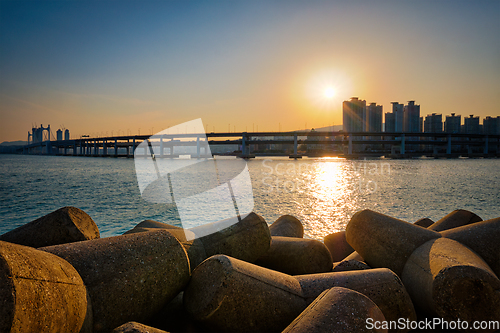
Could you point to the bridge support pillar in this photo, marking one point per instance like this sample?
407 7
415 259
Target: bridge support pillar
116 147
197 147
448 147
295 144
243 146
486 148
349 150
161 146
403 149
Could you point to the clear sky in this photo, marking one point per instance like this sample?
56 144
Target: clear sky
129 66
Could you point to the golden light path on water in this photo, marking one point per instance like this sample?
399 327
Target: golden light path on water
322 192
332 197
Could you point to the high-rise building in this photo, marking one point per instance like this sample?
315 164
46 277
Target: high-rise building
471 125
373 118
433 123
394 119
452 124
491 125
390 125
411 121
354 115
398 110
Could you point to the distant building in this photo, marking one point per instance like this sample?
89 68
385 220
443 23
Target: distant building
411 118
394 119
390 122
354 115
433 123
373 118
59 134
452 124
66 134
398 110
471 125
491 125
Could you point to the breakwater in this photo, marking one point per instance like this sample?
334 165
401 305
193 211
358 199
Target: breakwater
157 275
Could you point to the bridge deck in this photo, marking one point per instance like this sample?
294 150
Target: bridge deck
283 144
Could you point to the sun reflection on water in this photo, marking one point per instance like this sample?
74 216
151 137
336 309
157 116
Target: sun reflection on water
322 193
332 197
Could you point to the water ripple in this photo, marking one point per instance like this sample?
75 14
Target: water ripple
322 193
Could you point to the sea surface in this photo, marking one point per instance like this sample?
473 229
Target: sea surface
322 192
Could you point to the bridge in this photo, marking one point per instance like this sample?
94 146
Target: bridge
293 144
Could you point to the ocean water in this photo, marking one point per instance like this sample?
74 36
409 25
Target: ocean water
322 192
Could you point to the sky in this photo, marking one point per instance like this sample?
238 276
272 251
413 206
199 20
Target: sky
138 67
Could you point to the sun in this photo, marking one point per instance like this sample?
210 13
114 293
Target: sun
329 92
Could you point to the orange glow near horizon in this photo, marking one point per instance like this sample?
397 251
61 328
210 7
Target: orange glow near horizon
172 62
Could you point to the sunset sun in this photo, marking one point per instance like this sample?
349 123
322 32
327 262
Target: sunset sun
329 92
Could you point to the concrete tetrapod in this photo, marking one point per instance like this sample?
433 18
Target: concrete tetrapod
380 285
457 218
424 222
228 294
384 241
133 327
338 310
194 247
65 225
40 292
287 226
296 256
247 239
338 246
129 277
349 265
232 295
354 256
481 237
446 278
174 318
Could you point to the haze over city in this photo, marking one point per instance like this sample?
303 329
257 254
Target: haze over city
123 67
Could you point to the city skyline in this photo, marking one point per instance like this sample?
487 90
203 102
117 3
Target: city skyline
97 67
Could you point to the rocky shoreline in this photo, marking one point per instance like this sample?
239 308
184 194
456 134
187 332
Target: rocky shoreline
58 275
